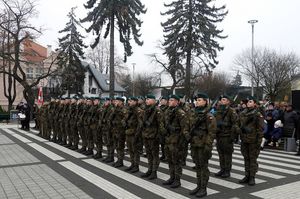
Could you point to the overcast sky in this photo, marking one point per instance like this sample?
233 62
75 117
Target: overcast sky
278 27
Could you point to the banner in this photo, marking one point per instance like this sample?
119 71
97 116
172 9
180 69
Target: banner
40 96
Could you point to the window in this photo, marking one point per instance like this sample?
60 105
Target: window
90 80
38 72
93 91
29 73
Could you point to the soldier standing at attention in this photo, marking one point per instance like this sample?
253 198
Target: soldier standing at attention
227 125
177 136
72 121
82 109
108 109
92 139
88 117
163 106
203 132
151 123
97 134
118 124
252 124
134 123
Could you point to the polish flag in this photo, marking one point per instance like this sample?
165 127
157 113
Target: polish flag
40 96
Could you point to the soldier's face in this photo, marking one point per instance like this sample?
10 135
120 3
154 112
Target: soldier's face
225 101
173 102
132 102
96 102
150 101
200 102
106 103
251 104
163 102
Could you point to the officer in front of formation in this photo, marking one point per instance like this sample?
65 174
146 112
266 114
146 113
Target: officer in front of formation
252 124
227 127
203 130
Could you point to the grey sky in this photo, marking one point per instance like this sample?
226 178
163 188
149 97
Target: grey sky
278 27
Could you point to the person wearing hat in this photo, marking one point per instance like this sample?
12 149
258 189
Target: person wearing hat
163 106
227 127
134 124
251 123
85 119
117 126
176 130
151 125
203 128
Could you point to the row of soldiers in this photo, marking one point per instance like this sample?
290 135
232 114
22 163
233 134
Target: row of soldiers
172 124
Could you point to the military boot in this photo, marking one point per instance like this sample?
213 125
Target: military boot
109 159
89 152
153 175
225 174
202 192
219 173
118 164
98 155
135 169
82 150
244 180
129 168
74 147
194 191
251 181
169 181
176 182
147 174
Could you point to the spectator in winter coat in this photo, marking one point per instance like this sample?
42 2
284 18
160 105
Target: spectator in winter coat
276 133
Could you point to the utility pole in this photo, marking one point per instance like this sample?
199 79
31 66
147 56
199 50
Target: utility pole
252 22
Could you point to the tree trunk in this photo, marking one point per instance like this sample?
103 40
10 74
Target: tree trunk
189 55
112 57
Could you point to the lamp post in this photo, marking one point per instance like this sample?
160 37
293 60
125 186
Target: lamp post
133 67
252 22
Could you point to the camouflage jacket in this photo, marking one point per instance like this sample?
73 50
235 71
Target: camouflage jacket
227 122
203 128
134 120
152 122
252 124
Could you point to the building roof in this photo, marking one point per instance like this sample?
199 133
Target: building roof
33 51
102 79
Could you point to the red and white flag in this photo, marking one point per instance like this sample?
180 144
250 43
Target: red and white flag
40 96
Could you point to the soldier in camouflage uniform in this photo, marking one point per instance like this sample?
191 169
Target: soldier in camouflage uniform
150 133
176 136
66 122
187 109
43 120
82 109
227 123
92 135
118 124
87 120
73 124
163 106
60 120
134 124
252 124
202 132
108 109
97 134
55 116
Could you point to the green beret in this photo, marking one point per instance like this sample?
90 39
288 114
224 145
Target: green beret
174 97
88 98
201 95
97 98
224 96
164 97
252 98
105 99
133 98
150 96
120 99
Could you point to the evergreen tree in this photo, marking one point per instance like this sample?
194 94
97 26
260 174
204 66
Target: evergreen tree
70 55
237 80
190 31
106 13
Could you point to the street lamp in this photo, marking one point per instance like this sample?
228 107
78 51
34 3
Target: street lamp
252 22
133 67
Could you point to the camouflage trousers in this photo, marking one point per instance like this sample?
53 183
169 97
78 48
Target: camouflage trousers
225 150
74 137
200 158
133 149
81 131
97 139
174 154
152 152
119 143
250 151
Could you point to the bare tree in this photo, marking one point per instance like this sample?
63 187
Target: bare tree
214 84
9 83
145 83
20 29
271 70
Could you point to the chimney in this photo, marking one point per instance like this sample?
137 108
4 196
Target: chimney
49 50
